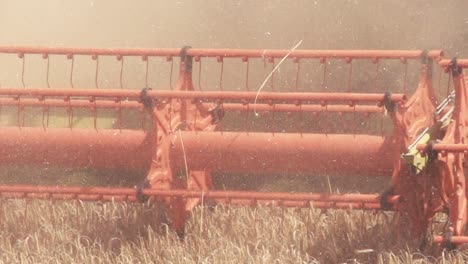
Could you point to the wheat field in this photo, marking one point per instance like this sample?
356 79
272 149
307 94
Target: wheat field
83 232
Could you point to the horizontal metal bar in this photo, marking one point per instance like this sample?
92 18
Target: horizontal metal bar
81 103
82 148
232 53
219 95
253 153
284 153
304 108
445 147
453 239
356 201
75 103
461 63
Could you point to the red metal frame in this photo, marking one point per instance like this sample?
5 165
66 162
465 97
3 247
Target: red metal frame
184 140
338 201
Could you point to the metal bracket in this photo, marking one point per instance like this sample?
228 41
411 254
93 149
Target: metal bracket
388 103
217 113
384 203
145 99
454 68
139 193
184 57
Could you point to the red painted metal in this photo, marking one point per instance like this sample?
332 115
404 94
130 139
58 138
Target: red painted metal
238 53
453 239
413 117
451 166
355 201
74 103
463 63
217 95
312 154
261 152
444 148
76 147
185 138
303 108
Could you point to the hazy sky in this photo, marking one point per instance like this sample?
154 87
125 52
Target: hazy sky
326 24
322 24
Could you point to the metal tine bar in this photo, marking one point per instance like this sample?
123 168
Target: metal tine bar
146 60
121 59
247 65
22 57
221 72
324 80
96 74
199 73
72 64
46 57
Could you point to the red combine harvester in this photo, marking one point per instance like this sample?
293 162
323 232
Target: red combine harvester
184 142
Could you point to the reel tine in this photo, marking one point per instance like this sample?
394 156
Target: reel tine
72 64
247 65
199 72
221 72
121 59
96 74
298 70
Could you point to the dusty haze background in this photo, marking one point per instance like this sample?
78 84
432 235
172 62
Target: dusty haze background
353 24
357 24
